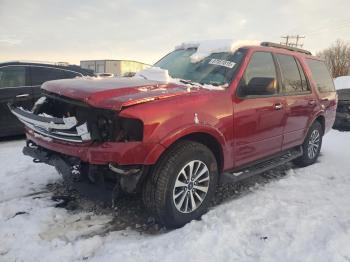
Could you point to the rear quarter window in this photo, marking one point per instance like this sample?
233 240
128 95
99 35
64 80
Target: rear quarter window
321 76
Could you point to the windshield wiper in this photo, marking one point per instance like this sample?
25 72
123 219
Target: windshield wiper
217 83
189 82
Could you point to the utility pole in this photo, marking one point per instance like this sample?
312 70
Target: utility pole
289 40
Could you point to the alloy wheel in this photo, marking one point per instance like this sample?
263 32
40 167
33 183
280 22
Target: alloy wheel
314 144
191 186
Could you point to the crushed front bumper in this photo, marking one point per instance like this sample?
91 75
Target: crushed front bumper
65 136
71 171
131 153
88 180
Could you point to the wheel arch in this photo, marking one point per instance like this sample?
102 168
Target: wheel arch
321 119
206 136
210 142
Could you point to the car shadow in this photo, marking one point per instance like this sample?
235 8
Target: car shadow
129 212
12 138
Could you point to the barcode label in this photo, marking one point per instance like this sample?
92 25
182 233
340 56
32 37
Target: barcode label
224 63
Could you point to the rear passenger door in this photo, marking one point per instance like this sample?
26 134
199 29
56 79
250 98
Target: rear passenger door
322 80
300 102
41 74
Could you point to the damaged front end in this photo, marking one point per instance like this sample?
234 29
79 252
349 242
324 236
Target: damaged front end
74 121
99 182
80 131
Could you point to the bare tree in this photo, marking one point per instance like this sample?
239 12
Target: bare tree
337 58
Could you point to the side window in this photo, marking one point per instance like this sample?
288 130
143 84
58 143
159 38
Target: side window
321 75
260 77
43 74
12 76
294 80
304 82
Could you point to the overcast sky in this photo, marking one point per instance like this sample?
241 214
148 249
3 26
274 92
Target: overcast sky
68 30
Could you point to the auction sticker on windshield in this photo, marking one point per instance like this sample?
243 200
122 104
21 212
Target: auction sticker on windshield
220 62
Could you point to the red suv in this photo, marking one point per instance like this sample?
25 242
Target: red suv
214 117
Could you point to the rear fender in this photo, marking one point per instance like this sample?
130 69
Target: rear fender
320 113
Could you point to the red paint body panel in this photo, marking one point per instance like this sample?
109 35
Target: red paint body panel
246 129
113 93
132 153
258 128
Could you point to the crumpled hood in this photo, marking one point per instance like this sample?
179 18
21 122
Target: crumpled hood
114 93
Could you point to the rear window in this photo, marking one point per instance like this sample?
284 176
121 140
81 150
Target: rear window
321 75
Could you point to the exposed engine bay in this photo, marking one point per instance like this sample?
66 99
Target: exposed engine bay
74 121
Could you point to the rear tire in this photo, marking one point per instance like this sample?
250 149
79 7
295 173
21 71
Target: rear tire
311 146
182 184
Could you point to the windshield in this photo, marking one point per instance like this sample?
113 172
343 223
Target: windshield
216 69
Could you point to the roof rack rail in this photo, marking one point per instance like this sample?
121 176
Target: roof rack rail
295 49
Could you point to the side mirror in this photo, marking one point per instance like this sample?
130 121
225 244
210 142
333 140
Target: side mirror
259 86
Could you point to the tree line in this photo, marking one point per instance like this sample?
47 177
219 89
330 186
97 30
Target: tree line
337 57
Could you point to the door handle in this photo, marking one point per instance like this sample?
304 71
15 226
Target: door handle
22 95
324 99
278 106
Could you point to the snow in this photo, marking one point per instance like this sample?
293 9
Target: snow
207 47
162 75
302 216
204 49
342 82
154 73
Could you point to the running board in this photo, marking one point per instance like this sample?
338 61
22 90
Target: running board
261 167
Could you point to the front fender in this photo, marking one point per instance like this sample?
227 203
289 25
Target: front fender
166 121
154 154
191 129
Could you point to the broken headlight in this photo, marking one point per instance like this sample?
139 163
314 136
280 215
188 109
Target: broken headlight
105 127
130 130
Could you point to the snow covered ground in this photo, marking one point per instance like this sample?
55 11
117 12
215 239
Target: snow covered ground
302 216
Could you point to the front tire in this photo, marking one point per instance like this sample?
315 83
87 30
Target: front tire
182 184
311 146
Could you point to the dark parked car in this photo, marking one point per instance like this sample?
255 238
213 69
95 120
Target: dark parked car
342 120
21 81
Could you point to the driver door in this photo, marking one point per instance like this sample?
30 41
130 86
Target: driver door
259 111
